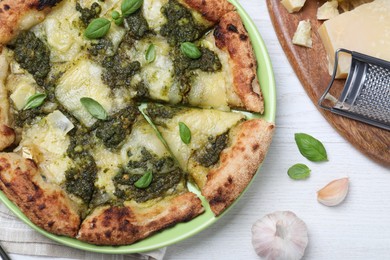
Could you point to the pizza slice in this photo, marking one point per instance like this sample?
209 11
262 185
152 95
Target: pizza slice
140 189
221 151
33 176
224 76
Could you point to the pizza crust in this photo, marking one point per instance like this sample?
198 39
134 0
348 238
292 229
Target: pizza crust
46 205
7 134
238 163
114 225
231 36
211 10
19 15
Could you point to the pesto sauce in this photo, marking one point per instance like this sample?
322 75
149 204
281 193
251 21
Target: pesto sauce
88 14
209 155
119 71
166 175
80 179
184 66
159 112
181 25
115 129
137 25
33 55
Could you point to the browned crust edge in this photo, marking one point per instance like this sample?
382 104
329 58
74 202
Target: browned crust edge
211 10
231 36
238 163
17 15
113 225
7 134
45 205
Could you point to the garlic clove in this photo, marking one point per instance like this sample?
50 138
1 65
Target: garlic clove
280 235
333 193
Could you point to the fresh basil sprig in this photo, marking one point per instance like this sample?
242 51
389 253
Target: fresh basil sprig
144 181
94 108
311 148
190 50
35 101
150 54
185 133
299 171
128 7
98 28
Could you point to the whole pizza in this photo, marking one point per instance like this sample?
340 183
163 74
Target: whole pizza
109 108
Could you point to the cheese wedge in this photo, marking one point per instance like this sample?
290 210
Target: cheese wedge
365 29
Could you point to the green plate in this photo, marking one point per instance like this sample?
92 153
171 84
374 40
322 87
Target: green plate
183 230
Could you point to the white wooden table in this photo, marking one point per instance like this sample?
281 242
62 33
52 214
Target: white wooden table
357 229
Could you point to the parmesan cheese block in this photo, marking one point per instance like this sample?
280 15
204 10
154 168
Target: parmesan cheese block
293 6
302 35
365 29
328 10
83 80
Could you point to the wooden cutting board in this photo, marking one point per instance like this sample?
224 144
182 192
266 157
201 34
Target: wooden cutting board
311 67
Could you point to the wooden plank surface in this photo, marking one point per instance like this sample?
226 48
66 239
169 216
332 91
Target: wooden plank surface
310 65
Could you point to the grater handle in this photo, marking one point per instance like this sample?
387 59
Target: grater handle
336 63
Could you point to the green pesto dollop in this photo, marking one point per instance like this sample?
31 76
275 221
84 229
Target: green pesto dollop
100 47
184 66
88 14
115 129
209 155
137 25
166 175
80 179
28 116
33 55
142 92
119 71
158 113
181 25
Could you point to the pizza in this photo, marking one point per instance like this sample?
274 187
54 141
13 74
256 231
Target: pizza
109 109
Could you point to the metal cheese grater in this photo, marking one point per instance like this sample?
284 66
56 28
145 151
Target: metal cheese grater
366 94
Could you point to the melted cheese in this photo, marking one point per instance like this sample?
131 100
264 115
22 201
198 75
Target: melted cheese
158 75
21 87
83 80
214 89
110 162
46 142
203 124
153 15
61 31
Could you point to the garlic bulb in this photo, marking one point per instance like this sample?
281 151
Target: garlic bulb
333 193
280 235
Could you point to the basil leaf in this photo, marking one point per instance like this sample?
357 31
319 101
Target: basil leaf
299 171
94 108
190 50
98 28
144 181
115 15
185 133
150 55
119 21
311 148
130 6
35 101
